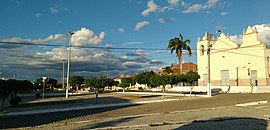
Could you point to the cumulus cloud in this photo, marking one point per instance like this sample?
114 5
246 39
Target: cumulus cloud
237 38
223 13
132 43
160 51
173 1
121 30
58 38
156 62
166 20
140 25
193 9
54 10
108 45
141 52
263 33
85 37
38 15
198 7
151 7
46 60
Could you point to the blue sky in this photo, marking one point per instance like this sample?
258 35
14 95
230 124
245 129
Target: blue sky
116 24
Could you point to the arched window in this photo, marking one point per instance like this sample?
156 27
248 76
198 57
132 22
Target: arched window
202 49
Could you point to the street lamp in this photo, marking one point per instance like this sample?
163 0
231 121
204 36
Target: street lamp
68 69
63 74
43 89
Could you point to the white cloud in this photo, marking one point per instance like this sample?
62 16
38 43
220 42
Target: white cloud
166 20
54 10
263 33
193 9
198 7
132 43
38 15
156 62
151 7
211 4
173 1
121 30
140 25
59 38
138 53
86 37
160 51
223 13
108 45
237 39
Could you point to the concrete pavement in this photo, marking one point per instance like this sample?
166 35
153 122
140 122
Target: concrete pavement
57 103
224 111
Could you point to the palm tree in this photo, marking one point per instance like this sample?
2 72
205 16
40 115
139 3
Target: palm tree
178 45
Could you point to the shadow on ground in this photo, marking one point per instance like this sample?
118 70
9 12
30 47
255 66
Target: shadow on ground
227 123
111 123
46 118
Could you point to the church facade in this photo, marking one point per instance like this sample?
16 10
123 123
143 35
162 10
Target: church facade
234 64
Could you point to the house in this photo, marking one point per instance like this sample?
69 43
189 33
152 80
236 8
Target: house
189 66
232 64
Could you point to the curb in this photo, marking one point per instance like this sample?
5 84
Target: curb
166 94
81 108
251 103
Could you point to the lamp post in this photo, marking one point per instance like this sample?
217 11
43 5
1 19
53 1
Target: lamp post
63 74
68 69
43 89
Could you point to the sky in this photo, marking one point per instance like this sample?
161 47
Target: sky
114 37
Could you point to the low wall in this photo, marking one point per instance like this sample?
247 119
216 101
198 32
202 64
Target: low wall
225 89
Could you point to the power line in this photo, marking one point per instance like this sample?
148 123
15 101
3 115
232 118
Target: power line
217 16
94 47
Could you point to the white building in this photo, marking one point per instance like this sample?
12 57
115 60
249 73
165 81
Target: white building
233 64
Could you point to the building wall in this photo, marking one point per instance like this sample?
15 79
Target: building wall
240 61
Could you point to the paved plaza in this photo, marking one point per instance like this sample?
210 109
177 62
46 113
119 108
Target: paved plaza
140 111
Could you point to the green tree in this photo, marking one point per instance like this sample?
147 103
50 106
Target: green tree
191 78
12 88
51 83
98 84
162 80
76 81
125 82
178 45
144 77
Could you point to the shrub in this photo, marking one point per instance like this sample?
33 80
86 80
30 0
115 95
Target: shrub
14 101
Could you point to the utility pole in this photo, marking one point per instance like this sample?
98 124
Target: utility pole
63 74
208 57
68 70
237 79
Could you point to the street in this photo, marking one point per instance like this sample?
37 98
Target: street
179 114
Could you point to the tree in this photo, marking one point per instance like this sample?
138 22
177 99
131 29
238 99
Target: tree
178 45
125 82
98 84
12 88
50 83
162 80
76 81
144 77
172 80
191 78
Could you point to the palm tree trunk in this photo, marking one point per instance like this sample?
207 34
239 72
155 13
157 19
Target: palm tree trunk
179 55
163 90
